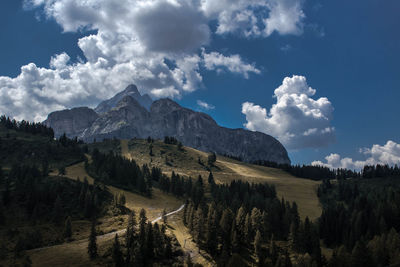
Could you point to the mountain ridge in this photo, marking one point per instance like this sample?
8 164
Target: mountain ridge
128 118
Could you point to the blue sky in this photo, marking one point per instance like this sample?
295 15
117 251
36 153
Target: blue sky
348 51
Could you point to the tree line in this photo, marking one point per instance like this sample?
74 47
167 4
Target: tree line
121 172
247 219
31 198
26 126
145 243
361 220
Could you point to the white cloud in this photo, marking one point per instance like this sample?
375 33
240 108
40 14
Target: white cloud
297 120
205 105
256 17
134 42
389 154
286 17
234 63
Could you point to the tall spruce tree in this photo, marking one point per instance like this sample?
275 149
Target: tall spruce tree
68 228
257 247
117 253
92 247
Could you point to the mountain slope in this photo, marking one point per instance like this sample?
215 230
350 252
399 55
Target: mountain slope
129 119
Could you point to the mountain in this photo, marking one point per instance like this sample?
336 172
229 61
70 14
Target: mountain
72 122
132 91
129 118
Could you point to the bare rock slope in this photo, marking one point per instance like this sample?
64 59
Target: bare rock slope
130 118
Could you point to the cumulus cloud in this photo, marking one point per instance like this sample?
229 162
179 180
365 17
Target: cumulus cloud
297 119
256 17
158 45
205 105
234 63
286 17
389 154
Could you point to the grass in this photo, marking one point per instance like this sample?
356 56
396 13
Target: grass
74 253
169 158
185 162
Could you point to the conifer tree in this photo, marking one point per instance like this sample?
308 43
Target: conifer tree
62 171
88 205
58 211
240 223
68 228
158 241
131 229
225 225
361 256
188 261
199 226
211 178
185 212
142 233
211 230
248 231
149 241
92 247
164 216
256 219
257 247
117 253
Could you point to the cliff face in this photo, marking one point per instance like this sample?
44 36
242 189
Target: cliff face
129 118
72 122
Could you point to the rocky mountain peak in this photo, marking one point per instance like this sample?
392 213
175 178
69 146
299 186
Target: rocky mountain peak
126 115
132 91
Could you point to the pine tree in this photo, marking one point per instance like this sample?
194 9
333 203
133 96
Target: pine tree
188 261
131 229
256 219
293 237
240 223
212 158
149 241
211 230
58 211
361 256
62 171
142 233
185 212
92 247
225 225
1 175
273 252
157 241
121 199
199 226
248 230
257 247
2 217
68 228
164 216
88 204
117 253
211 178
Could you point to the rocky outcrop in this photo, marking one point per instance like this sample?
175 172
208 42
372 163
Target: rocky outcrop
105 106
129 119
72 122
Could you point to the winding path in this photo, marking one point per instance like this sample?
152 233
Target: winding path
168 214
